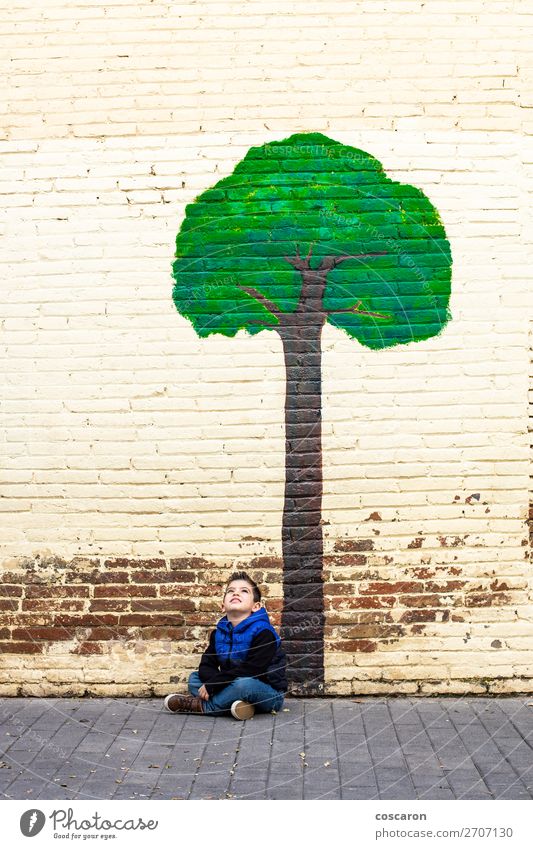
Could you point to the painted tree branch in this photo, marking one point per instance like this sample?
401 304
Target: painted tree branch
298 262
257 296
330 262
356 311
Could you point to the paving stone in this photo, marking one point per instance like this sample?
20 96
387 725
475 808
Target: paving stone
404 748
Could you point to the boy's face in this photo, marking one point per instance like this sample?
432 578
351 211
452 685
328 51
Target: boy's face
239 598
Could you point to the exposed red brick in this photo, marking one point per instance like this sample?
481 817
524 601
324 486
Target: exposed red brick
416 543
444 586
361 602
387 587
418 616
334 561
199 618
86 620
452 541
352 646
162 604
9 647
498 586
42 633
125 563
114 604
9 604
40 591
369 617
10 590
338 589
266 562
91 648
53 604
141 576
97 577
423 572
365 631
211 591
273 577
167 632
113 632
124 590
354 545
190 564
16 578
421 601
139 620
485 599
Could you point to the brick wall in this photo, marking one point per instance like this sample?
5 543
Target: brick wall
140 463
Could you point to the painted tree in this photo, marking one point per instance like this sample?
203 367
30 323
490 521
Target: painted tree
304 232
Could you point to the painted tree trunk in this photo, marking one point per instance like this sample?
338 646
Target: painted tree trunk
302 542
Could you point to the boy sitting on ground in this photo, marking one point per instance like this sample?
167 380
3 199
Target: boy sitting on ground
243 667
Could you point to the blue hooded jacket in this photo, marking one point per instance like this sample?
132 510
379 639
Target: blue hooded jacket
233 643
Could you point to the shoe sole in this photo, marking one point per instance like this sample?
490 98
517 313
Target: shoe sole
242 710
183 712
166 703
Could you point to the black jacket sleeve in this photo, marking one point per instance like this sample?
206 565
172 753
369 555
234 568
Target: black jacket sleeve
260 654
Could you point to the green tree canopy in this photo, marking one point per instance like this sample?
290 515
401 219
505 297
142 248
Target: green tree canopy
309 194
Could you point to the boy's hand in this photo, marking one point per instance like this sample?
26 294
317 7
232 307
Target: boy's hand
202 692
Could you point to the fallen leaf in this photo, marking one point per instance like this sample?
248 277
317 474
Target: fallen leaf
326 763
154 766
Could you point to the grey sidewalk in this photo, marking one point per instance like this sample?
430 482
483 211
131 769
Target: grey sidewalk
364 748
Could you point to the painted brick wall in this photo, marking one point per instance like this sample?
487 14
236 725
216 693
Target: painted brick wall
139 463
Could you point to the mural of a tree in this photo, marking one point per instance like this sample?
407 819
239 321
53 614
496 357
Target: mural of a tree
304 232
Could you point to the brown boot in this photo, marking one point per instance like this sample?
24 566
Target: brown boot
183 704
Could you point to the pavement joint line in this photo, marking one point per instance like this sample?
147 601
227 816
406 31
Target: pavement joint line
48 709
87 729
109 705
494 740
200 759
136 756
469 755
505 758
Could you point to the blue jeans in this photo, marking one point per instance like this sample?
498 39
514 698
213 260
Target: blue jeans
261 695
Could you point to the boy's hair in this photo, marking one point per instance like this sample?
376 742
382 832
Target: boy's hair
243 576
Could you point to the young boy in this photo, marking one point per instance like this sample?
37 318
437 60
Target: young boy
243 667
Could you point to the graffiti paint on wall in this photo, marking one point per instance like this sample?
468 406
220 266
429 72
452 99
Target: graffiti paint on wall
307 231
